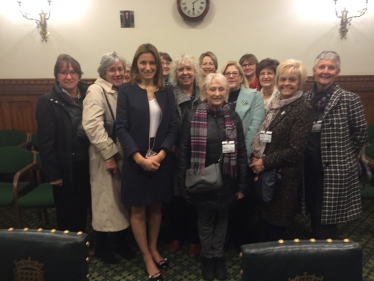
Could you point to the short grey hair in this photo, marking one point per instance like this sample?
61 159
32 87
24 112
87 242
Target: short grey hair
208 80
328 55
107 60
128 64
181 59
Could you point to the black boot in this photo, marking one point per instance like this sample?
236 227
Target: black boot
102 250
220 271
207 268
123 247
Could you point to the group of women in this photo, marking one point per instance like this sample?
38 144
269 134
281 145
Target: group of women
126 133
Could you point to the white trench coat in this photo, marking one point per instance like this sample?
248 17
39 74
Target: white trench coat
108 213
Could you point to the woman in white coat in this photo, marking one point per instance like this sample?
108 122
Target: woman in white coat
105 152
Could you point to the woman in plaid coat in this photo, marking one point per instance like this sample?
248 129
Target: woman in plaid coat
338 135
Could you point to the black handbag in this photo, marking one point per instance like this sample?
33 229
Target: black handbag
110 126
200 183
265 185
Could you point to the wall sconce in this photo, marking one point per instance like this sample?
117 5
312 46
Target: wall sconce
345 20
40 23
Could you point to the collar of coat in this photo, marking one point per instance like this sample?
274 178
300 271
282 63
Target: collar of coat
181 97
337 93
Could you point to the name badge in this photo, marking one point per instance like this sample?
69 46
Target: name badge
228 146
150 153
316 127
265 136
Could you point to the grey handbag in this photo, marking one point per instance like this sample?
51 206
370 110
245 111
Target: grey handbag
210 181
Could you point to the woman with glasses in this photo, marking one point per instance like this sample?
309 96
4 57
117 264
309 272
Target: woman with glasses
185 77
208 63
166 61
249 105
248 63
108 213
147 129
265 72
64 155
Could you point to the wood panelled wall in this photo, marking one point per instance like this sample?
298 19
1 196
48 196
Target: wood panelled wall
18 98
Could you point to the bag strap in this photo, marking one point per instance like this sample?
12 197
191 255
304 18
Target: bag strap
107 101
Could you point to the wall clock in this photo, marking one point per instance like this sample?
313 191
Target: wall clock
193 10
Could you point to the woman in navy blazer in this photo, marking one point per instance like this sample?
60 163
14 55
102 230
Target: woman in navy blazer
147 128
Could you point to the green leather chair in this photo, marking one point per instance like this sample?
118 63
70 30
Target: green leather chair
42 255
34 141
371 134
14 138
298 260
41 197
18 163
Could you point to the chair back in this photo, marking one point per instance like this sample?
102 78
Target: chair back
43 255
13 159
12 138
34 141
297 260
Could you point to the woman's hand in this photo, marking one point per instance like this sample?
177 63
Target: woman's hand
257 165
56 182
147 164
111 165
159 156
239 195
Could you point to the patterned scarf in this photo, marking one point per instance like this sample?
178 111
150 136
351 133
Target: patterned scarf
258 147
199 132
320 99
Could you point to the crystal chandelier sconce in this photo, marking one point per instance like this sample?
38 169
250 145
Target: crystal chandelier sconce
41 23
345 20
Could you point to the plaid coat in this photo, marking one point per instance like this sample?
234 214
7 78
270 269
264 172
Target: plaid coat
343 134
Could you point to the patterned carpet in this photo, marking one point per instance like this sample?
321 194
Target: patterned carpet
185 269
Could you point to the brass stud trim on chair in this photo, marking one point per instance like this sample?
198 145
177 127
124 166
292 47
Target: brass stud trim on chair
88 276
79 233
280 241
53 230
66 231
346 240
26 229
312 240
329 240
297 240
10 229
87 259
88 244
40 229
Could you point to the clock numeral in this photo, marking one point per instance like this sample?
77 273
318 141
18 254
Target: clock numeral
202 3
201 7
185 8
184 3
189 11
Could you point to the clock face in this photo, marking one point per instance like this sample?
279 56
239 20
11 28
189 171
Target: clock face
193 10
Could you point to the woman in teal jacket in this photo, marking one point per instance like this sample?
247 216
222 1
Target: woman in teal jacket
249 105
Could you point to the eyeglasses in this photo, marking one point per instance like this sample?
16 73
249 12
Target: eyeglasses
234 74
72 73
244 65
165 63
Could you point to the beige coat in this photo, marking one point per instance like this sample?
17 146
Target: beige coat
108 213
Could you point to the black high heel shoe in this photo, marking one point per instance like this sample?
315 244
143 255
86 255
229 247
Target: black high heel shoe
163 264
158 278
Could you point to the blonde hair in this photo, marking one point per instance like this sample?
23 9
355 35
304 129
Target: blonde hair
240 69
292 66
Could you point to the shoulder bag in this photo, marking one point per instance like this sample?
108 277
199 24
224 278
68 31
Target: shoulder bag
210 181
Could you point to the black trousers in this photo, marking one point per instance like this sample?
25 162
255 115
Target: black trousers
314 198
73 199
184 220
